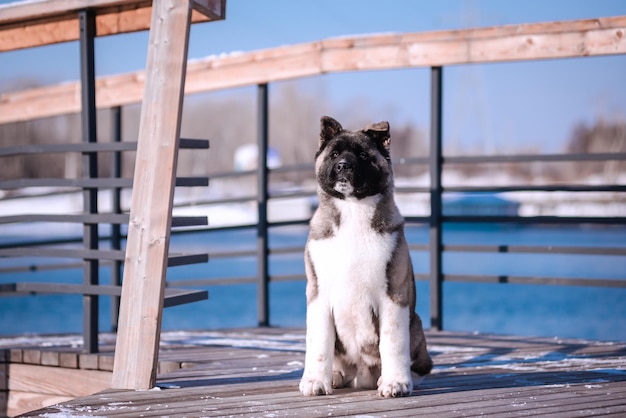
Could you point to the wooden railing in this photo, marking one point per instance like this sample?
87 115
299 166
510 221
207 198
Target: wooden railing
579 38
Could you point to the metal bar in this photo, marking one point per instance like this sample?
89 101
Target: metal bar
175 260
537 219
184 221
62 148
40 267
530 158
175 297
115 146
115 219
84 253
187 143
560 281
83 183
404 189
172 296
435 228
537 188
95 254
87 21
58 241
286 195
241 199
536 249
417 219
262 196
116 200
86 218
93 183
192 181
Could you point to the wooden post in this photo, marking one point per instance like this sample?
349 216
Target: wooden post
136 351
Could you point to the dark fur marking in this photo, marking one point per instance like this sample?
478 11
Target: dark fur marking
381 220
323 227
400 281
372 348
421 362
376 323
339 348
312 289
374 370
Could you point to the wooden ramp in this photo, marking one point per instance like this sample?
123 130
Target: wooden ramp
255 372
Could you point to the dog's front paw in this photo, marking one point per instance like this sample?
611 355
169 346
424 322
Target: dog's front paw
394 388
314 387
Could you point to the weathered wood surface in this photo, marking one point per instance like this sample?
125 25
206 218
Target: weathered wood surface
141 305
255 372
35 23
578 38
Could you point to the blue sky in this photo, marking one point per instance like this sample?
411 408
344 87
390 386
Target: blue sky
486 107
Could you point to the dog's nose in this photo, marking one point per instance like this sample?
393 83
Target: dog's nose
343 165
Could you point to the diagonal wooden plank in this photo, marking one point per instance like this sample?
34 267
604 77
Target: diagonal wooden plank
151 207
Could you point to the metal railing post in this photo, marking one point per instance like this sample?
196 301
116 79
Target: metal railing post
116 235
435 233
262 196
90 170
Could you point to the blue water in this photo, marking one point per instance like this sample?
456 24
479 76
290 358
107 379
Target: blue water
530 310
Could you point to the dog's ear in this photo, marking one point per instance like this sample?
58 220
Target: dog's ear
330 128
380 132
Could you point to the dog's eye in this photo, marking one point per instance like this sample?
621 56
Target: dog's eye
334 154
363 156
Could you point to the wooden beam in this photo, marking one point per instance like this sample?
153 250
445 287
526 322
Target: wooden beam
57 380
141 306
578 38
45 22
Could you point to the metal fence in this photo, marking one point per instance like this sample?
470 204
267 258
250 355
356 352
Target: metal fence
91 254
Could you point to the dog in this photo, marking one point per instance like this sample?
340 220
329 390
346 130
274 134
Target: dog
361 327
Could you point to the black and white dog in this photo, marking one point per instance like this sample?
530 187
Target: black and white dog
362 329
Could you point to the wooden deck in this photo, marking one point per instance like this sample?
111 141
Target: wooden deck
255 372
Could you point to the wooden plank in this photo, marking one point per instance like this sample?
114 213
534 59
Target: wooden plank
577 38
147 247
105 362
19 402
50 358
31 356
87 361
4 374
68 360
45 22
57 380
16 355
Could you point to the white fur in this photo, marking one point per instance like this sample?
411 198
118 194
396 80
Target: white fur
351 272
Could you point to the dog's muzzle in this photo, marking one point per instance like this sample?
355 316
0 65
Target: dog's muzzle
344 170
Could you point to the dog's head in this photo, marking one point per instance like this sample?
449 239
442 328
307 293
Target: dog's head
353 163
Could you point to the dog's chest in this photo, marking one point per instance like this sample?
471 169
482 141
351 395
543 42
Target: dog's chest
351 265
